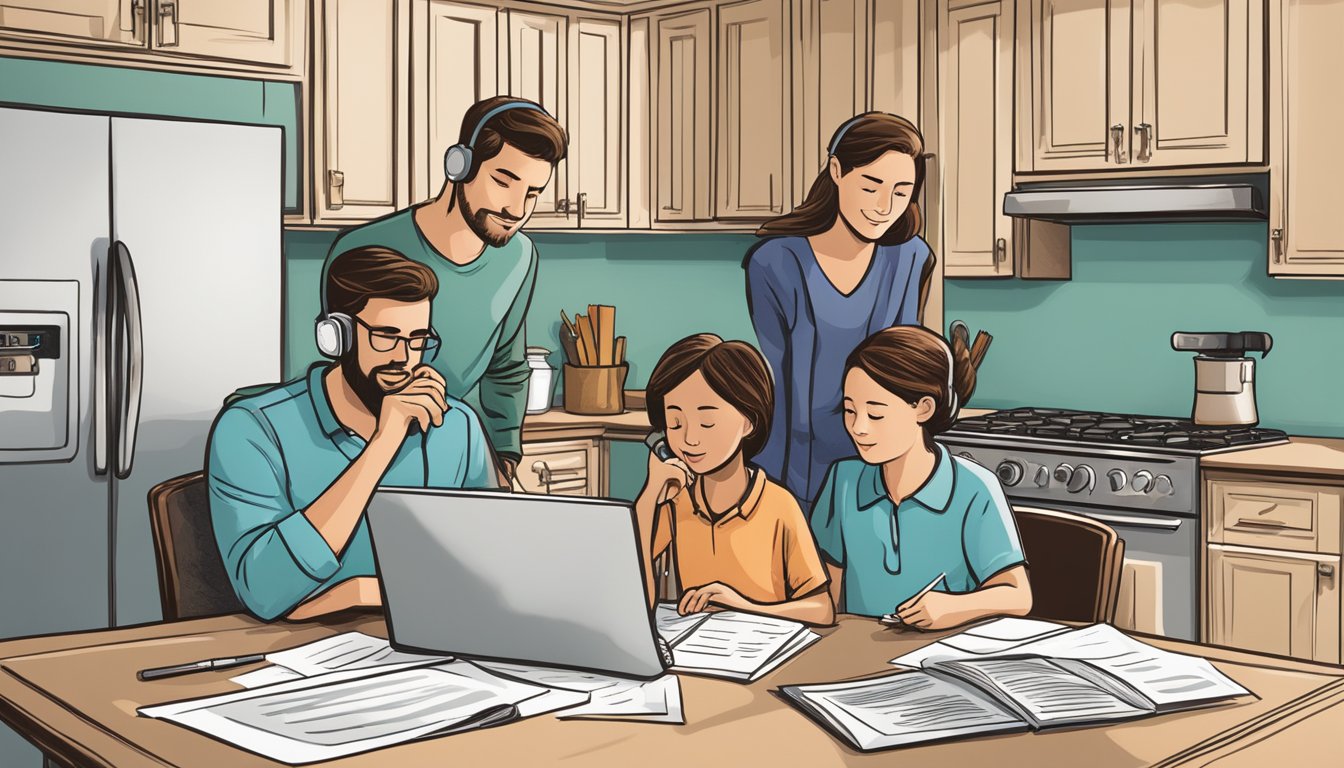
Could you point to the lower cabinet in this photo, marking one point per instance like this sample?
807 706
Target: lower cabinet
1270 601
564 467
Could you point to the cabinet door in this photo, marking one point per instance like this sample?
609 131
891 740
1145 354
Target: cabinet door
259 31
596 122
681 118
456 47
1274 602
1077 111
753 116
120 23
537 59
976 121
830 77
1199 95
1307 153
563 467
360 99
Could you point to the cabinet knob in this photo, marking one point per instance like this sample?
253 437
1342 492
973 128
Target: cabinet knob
1118 137
1325 570
1001 250
1277 236
335 189
1145 131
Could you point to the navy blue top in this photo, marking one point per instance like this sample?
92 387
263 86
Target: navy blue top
806 328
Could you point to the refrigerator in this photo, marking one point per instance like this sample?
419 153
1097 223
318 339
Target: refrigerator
140 284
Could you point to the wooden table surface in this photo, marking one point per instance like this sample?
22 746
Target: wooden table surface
75 696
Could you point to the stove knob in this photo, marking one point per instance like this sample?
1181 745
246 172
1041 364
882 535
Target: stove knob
1010 472
1083 479
1143 480
1042 477
1063 472
1118 480
1163 486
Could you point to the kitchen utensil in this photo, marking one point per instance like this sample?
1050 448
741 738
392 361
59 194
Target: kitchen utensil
979 348
1224 375
595 390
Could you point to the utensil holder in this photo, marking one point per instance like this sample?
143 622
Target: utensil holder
595 390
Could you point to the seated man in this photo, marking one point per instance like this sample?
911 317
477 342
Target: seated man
292 469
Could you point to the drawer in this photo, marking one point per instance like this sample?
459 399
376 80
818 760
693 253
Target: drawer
566 467
1302 517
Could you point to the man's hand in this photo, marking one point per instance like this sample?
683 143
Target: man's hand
359 592
422 401
713 594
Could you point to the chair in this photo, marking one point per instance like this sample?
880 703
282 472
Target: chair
192 579
1074 564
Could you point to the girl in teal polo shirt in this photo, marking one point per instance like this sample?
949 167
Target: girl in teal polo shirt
906 512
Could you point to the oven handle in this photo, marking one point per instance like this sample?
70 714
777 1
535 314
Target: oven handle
1164 523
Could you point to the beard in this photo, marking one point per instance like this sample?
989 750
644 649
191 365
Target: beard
479 224
365 386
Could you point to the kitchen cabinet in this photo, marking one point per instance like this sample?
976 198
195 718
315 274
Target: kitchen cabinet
680 117
754 130
975 118
1114 84
1272 568
1306 154
267 35
597 159
537 45
564 467
456 48
360 96
830 79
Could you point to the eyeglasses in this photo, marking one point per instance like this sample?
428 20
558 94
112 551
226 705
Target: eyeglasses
387 342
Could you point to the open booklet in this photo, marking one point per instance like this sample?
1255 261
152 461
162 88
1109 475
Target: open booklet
728 644
1085 676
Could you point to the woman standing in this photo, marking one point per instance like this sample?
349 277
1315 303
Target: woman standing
845 264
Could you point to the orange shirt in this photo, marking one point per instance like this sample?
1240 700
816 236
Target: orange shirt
763 548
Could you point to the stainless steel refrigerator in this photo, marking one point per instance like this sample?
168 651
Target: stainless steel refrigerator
140 284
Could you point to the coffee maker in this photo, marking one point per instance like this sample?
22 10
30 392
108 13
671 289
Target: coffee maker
1224 375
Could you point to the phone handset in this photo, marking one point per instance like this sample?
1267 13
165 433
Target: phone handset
657 444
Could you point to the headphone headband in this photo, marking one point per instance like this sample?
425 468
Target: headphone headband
840 134
951 372
505 107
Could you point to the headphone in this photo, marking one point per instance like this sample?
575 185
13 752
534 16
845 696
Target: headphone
951 390
335 331
840 134
458 163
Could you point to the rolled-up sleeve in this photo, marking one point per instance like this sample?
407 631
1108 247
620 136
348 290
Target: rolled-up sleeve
273 554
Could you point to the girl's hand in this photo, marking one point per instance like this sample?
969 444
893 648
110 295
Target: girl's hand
716 593
934 610
667 478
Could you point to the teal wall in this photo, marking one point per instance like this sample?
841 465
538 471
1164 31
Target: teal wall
165 94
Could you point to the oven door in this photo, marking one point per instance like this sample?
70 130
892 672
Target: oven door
1159 591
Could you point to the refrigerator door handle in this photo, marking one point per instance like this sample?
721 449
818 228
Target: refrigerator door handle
103 312
129 385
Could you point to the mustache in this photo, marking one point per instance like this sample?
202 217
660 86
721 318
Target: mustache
499 215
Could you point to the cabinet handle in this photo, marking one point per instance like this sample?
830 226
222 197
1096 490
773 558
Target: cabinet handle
1325 570
1276 235
1001 250
582 202
1260 524
1118 136
1145 131
138 21
335 189
546 475
772 193
167 20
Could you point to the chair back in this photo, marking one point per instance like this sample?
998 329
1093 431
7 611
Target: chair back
192 579
1074 563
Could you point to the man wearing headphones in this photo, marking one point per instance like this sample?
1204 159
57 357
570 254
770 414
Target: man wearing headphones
469 236
291 470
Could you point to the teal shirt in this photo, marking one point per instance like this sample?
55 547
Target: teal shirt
958 523
479 313
273 454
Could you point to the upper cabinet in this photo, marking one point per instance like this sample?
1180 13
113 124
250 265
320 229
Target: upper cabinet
266 35
1114 84
754 137
680 117
1307 156
597 122
830 79
536 72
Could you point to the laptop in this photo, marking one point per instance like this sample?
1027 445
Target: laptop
548 580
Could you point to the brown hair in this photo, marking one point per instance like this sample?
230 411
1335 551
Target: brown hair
868 137
533 132
911 362
733 369
374 272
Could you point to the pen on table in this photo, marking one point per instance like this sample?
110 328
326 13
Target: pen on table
199 666
896 618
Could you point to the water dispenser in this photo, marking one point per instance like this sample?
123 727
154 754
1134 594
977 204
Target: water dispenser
38 403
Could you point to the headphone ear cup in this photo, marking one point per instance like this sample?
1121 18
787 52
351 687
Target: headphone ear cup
457 163
334 334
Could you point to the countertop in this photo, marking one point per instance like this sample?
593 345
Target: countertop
1319 456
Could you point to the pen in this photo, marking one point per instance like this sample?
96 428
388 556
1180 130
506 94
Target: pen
199 666
892 618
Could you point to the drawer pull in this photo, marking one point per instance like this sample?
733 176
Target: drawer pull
1325 570
546 476
1260 524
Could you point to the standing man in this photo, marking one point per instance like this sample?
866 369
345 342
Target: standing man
469 236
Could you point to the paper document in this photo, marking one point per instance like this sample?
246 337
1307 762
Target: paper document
609 697
346 651
995 636
740 646
672 625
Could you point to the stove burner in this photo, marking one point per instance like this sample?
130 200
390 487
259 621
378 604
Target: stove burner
1146 431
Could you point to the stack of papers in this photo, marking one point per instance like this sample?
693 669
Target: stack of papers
736 646
347 651
994 681
995 636
610 698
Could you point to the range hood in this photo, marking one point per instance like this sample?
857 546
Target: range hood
1091 203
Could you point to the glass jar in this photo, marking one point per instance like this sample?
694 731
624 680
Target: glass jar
540 380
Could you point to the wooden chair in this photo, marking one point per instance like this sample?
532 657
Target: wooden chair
192 579
1074 563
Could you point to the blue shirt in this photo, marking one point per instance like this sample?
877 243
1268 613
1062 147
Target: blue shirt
273 454
958 523
806 328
